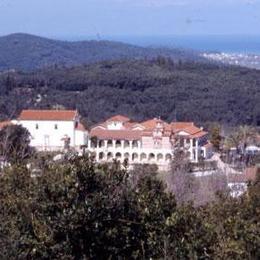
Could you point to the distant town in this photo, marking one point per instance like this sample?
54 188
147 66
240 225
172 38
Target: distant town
239 59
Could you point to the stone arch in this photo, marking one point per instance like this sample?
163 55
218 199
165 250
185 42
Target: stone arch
109 156
134 157
143 157
118 156
168 157
126 156
151 157
159 157
126 144
101 156
109 143
101 143
118 144
135 144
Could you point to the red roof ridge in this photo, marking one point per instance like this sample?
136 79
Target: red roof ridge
50 110
124 134
51 114
119 118
192 130
182 124
99 125
151 123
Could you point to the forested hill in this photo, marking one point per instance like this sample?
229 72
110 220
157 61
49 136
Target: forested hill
139 89
28 52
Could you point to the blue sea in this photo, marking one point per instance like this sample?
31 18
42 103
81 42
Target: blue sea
210 43
215 43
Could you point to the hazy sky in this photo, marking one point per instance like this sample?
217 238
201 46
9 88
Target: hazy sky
63 18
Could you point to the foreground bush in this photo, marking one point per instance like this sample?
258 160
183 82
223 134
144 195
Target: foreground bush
80 210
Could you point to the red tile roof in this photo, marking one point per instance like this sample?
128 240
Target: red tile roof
129 125
189 128
199 134
59 115
181 125
136 125
100 125
116 134
126 126
152 123
192 130
148 128
118 118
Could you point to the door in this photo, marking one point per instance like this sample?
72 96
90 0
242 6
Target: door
46 141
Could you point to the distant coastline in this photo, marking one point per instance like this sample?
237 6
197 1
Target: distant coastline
236 44
18 51
238 50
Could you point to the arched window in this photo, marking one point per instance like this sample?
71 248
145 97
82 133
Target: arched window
118 144
151 157
126 156
126 144
168 157
134 157
159 157
101 156
118 156
101 143
135 144
109 143
110 156
143 157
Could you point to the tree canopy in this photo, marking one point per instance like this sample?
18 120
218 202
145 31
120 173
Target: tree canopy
15 144
140 89
81 210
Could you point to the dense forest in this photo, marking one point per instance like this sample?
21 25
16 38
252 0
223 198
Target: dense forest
140 89
28 52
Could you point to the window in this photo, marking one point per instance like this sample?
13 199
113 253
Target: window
56 126
36 126
157 144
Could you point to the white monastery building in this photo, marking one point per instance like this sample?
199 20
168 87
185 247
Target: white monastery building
149 142
53 130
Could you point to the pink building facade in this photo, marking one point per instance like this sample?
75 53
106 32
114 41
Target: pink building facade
149 142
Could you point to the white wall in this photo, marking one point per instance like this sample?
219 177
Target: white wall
46 134
81 138
114 125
